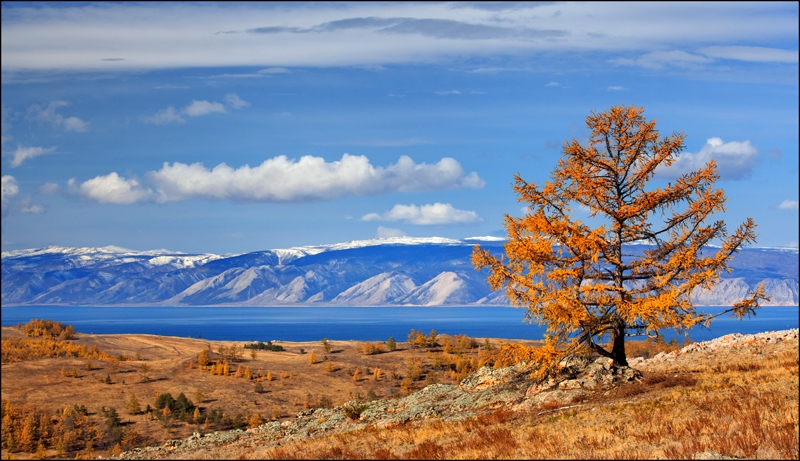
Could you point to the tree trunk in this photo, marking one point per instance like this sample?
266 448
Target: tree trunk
618 349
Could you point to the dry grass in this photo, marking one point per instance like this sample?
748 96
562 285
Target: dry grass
742 405
43 383
741 402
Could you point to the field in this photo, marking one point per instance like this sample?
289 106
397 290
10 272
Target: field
279 385
738 401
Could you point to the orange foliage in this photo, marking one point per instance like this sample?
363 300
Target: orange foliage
22 349
578 279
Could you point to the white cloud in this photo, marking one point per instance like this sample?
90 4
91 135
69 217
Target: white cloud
616 88
438 213
233 100
75 124
280 179
163 35
49 115
164 116
111 188
197 108
387 232
25 206
8 190
751 53
788 205
551 84
24 153
735 160
449 92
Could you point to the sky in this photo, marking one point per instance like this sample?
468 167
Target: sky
230 128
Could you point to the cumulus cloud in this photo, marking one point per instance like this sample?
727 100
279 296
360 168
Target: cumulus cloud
438 213
233 100
164 116
24 153
197 108
788 205
111 188
387 232
48 114
735 160
280 179
8 190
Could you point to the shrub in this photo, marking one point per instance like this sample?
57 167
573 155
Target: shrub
354 410
371 348
391 344
268 346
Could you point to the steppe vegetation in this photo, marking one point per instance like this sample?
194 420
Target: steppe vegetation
741 405
68 394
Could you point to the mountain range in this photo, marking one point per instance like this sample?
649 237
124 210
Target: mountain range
380 272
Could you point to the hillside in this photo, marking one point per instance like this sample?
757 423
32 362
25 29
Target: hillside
399 271
86 395
731 398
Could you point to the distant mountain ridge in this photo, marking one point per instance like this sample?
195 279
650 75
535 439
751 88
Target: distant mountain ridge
431 271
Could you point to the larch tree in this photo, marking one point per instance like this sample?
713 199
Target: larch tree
587 281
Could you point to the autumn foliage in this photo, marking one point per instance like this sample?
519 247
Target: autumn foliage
582 279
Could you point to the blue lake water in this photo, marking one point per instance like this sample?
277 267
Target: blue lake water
343 323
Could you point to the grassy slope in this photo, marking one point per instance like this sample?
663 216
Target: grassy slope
741 401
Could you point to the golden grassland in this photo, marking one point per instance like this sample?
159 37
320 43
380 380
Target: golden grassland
742 404
59 390
57 404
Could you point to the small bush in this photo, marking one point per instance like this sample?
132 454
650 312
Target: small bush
353 411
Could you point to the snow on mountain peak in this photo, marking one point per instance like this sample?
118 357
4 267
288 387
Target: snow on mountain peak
287 254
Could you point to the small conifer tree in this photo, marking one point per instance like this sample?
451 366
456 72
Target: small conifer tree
202 358
134 408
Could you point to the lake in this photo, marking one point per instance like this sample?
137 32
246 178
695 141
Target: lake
342 323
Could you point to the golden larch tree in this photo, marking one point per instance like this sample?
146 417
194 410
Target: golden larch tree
586 281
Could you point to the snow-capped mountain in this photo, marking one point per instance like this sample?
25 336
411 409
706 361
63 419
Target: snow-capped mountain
394 271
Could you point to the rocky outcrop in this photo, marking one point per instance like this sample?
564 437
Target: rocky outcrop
483 391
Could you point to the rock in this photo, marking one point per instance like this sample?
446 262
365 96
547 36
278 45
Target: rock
578 376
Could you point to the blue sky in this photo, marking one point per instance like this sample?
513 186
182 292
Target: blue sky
242 127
